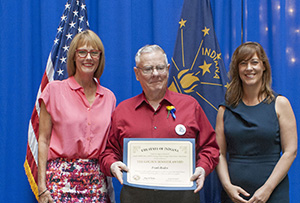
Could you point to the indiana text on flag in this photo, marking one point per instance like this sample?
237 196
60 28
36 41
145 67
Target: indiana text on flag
73 21
197 69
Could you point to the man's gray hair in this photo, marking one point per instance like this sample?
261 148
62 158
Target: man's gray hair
149 49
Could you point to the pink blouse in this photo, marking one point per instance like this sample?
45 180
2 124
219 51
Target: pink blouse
79 130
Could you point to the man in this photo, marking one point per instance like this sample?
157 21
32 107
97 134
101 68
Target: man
146 116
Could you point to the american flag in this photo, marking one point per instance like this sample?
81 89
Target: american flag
73 20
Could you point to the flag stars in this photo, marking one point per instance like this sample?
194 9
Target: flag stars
205 67
227 85
63 59
69 36
75 13
182 23
66 48
56 41
81 18
72 25
218 56
205 30
63 18
82 6
79 29
59 29
67 6
60 72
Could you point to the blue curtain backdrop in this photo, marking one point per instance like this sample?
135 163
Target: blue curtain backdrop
28 29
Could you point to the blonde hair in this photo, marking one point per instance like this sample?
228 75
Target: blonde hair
90 38
245 52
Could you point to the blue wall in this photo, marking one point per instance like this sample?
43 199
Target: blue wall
29 27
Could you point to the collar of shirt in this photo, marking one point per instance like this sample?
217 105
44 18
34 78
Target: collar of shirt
75 86
142 99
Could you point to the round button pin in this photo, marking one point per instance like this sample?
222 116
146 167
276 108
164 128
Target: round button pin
180 129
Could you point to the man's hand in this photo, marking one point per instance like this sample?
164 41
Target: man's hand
199 177
116 169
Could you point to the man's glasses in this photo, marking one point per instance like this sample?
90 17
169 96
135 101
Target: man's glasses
82 53
147 70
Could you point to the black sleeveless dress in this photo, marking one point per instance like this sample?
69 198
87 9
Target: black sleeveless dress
253 145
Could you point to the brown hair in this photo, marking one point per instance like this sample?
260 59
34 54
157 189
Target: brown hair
90 38
245 52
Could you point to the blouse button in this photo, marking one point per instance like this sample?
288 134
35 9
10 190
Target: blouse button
155 127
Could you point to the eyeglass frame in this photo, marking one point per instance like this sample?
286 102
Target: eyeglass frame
89 52
152 69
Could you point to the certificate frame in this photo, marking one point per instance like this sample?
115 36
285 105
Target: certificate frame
178 154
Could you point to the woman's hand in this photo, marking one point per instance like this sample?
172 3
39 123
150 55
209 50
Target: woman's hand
46 198
234 192
45 129
261 195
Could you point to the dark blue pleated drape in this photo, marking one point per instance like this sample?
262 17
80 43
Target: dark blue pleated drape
28 29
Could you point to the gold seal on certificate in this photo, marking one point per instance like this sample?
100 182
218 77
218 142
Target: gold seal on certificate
166 164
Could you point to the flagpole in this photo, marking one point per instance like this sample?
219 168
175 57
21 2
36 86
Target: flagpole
242 22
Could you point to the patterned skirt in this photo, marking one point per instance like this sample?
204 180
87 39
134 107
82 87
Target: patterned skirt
76 180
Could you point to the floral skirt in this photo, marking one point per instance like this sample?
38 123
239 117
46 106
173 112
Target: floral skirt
76 180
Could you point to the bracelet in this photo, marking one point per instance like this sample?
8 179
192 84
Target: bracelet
43 192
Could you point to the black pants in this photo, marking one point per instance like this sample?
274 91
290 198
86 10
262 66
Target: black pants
139 195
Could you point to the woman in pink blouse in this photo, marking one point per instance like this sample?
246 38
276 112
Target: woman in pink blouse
74 123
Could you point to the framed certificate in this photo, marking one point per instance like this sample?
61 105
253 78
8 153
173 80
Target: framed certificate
163 164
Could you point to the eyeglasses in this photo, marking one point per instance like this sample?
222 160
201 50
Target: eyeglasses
82 53
147 70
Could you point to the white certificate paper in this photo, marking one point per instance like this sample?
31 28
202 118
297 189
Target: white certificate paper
165 164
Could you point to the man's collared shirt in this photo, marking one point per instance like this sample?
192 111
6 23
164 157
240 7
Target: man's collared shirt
135 118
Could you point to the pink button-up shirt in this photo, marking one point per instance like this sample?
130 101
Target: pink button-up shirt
79 130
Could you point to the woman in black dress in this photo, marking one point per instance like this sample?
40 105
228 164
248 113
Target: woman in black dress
254 126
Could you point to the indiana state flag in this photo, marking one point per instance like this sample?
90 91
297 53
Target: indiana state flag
197 69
